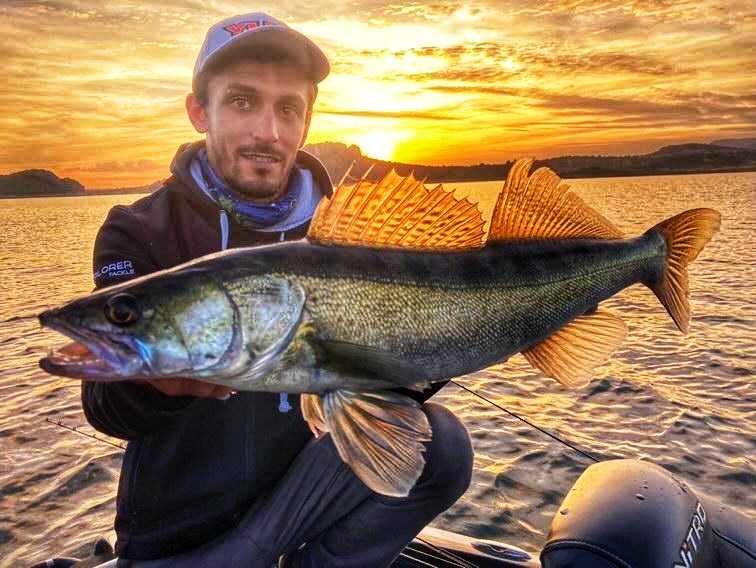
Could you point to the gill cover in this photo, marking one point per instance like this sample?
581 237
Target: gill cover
205 320
269 310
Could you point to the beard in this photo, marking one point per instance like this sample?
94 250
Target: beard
265 181
263 187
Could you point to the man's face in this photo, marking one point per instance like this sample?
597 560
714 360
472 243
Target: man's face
256 118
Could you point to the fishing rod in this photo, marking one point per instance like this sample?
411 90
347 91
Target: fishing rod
461 386
529 423
77 429
434 553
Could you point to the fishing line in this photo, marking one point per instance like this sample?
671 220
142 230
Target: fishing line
446 556
443 555
526 421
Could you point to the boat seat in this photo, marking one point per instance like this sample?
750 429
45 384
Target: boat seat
634 514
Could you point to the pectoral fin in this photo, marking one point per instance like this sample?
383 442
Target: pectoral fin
570 354
379 434
375 362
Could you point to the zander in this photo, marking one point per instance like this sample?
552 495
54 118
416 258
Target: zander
397 285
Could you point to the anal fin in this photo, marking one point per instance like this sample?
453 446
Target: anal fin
571 353
379 434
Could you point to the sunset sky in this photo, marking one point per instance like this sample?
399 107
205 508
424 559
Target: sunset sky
95 90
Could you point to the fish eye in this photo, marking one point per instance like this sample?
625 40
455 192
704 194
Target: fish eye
122 309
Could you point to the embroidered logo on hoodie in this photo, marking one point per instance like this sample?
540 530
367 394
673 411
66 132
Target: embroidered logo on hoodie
115 269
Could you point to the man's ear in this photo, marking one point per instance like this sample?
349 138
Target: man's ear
196 113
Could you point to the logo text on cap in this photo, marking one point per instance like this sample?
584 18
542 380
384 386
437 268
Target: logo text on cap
239 27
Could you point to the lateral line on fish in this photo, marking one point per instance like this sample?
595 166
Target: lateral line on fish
495 285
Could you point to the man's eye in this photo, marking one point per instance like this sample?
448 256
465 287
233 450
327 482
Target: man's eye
242 103
290 110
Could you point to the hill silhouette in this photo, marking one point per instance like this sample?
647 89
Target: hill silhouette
675 159
32 183
737 143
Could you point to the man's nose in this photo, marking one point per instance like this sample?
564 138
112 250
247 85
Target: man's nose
265 128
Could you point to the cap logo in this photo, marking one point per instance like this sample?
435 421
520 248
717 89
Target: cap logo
239 27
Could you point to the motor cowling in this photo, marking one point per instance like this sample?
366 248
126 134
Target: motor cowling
634 514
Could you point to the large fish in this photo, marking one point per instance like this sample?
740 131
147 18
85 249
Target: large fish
396 286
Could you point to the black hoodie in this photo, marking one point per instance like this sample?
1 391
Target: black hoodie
192 466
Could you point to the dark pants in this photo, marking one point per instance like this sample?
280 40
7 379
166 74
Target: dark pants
320 515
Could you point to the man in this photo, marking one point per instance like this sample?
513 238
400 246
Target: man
210 477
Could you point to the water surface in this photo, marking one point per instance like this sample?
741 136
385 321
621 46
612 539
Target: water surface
684 402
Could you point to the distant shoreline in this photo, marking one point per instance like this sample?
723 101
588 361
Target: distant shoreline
87 193
578 175
738 156
570 175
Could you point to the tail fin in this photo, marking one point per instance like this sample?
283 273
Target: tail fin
686 235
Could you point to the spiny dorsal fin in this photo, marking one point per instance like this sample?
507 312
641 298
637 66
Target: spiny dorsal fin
571 353
540 206
379 434
397 212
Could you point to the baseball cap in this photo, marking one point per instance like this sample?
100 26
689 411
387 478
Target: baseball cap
257 31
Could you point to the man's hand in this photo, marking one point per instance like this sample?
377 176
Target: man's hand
189 387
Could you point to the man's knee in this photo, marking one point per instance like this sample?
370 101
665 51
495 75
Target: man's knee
449 455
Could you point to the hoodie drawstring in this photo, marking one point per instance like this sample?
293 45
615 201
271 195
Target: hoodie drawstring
224 229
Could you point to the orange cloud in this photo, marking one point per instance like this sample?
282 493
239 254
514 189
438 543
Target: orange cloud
96 92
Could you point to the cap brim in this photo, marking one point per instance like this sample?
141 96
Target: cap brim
298 47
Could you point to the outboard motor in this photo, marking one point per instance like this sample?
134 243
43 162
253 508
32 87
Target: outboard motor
634 514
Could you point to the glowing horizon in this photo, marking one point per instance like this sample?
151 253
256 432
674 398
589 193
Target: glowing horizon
95 92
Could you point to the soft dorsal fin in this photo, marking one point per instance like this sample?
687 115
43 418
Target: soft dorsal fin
397 212
540 206
570 354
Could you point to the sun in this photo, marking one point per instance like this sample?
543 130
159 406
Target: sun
378 144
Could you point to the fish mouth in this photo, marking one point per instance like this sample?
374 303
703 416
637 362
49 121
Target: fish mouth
91 356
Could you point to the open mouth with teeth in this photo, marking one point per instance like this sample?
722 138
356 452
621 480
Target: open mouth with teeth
90 356
260 157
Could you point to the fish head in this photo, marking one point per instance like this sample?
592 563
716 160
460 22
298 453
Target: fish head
170 324
192 321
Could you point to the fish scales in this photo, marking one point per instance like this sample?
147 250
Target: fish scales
450 313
